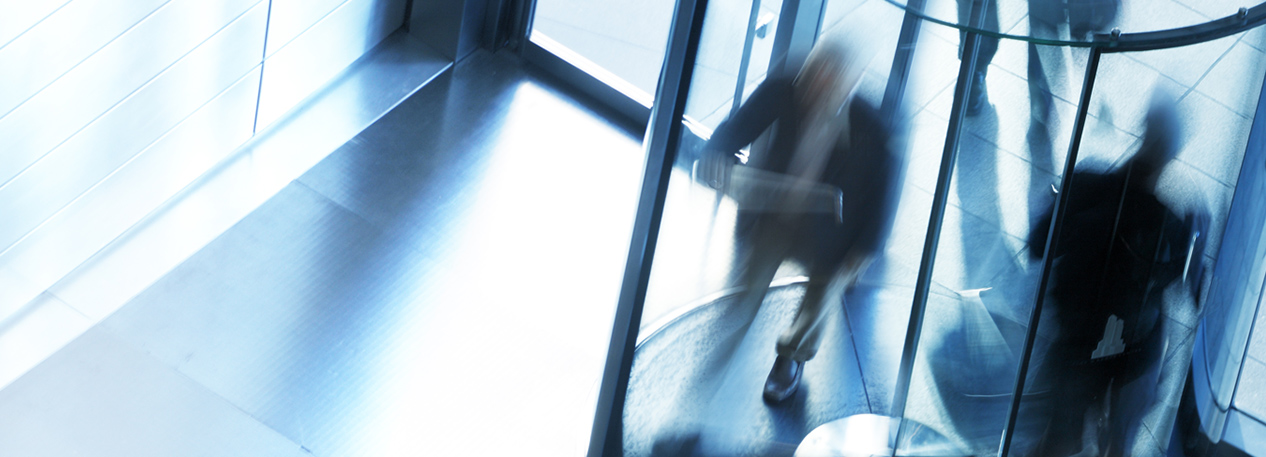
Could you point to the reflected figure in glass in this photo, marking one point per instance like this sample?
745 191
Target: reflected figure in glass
823 194
1045 18
1120 247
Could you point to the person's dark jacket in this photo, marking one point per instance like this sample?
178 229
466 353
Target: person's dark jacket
865 169
1119 248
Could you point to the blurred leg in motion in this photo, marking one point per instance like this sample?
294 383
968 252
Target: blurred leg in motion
976 100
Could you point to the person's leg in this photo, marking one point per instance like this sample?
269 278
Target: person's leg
988 48
799 342
768 248
1043 17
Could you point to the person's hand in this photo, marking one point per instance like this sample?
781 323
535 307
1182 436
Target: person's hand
713 168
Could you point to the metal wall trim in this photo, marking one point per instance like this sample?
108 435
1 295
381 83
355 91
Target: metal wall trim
607 439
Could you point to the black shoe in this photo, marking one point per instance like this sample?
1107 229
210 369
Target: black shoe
976 98
783 379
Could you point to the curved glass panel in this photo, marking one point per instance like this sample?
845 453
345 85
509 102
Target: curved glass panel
731 273
1073 22
1152 187
985 277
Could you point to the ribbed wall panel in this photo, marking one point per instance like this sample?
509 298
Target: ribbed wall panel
322 52
109 108
19 17
76 99
290 18
61 41
131 126
74 233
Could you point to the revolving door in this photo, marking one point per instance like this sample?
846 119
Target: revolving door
950 341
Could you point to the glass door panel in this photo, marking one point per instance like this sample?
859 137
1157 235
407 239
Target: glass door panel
724 286
1011 152
1150 195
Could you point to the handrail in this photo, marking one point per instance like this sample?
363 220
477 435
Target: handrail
1116 41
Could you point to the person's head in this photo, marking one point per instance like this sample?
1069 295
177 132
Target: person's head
829 74
1161 135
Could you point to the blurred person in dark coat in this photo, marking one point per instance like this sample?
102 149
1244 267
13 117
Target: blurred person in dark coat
1119 248
821 135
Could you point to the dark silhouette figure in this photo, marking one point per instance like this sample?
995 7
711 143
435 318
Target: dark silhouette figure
1120 247
821 136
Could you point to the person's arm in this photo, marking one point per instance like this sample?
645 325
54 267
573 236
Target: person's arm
767 103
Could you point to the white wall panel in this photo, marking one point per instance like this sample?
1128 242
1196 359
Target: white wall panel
132 125
17 17
109 108
322 52
107 77
61 41
291 17
254 173
79 230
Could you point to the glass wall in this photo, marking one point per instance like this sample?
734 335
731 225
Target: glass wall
867 254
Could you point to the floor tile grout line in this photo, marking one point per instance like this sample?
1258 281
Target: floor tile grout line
25 310
363 218
123 340
1203 16
1210 69
63 301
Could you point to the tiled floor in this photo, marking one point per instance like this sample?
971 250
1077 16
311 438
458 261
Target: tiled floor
443 284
